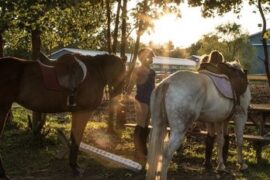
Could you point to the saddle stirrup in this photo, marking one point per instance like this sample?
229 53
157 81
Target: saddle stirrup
71 99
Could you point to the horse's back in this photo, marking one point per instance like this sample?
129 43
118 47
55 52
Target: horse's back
185 83
185 89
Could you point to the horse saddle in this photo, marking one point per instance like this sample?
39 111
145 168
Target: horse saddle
237 78
66 73
221 82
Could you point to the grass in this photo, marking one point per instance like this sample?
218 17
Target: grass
28 157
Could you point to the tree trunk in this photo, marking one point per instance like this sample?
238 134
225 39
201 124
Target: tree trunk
264 42
137 43
108 25
1 45
115 33
124 30
36 44
38 119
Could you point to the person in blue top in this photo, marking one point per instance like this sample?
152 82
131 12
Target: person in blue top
144 77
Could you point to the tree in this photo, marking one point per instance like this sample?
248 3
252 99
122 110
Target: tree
237 45
116 27
124 29
230 41
29 16
108 13
217 7
6 17
264 40
81 26
210 8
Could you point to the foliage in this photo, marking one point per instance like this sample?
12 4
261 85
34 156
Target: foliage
63 25
18 43
82 23
76 26
231 41
6 14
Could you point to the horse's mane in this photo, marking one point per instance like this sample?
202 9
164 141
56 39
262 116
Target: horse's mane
99 60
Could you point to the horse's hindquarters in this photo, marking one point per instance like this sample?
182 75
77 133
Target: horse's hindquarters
10 77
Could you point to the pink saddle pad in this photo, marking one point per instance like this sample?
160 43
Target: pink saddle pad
221 82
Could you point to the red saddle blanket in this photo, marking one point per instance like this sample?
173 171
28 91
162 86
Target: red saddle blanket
49 77
221 82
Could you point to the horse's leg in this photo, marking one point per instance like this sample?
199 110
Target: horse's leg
220 143
209 145
176 137
4 110
225 149
239 131
79 121
179 123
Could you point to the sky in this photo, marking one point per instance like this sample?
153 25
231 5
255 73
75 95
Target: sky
191 26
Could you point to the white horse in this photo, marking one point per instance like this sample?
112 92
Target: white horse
178 101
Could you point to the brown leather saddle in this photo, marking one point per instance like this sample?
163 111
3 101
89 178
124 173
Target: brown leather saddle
238 79
64 74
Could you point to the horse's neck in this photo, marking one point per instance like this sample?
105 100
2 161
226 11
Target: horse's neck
96 71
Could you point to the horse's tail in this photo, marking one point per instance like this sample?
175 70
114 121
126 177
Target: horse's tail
159 123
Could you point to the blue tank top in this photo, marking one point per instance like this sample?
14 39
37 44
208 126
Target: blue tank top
144 90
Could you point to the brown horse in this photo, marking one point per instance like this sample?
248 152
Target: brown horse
22 82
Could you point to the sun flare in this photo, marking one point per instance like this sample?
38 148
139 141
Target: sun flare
171 28
165 29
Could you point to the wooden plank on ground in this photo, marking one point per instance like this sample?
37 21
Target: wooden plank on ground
127 163
123 162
